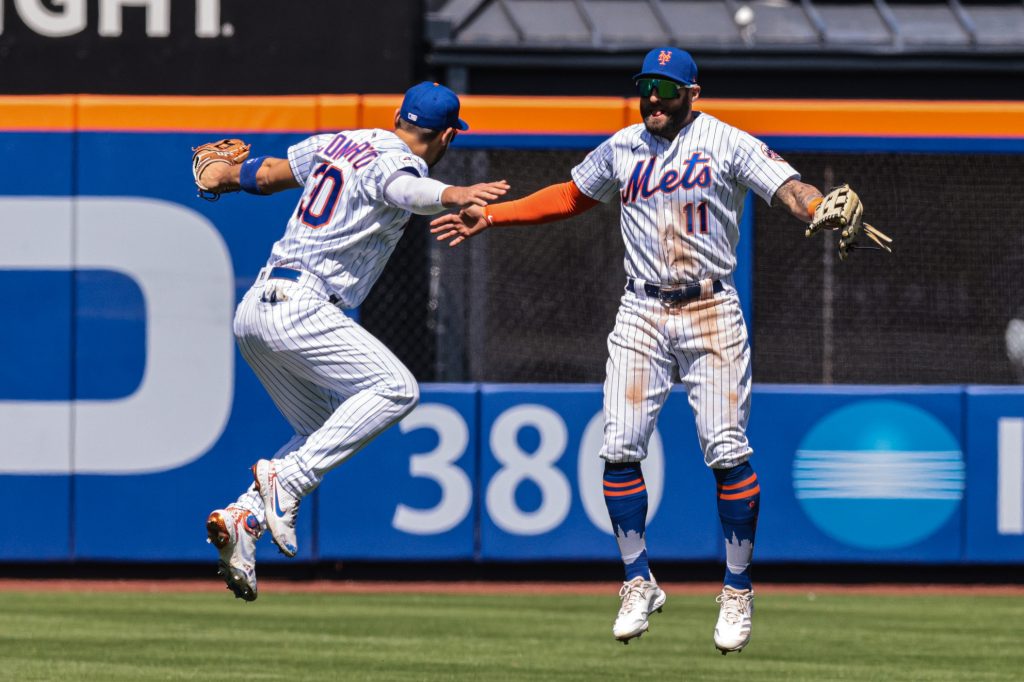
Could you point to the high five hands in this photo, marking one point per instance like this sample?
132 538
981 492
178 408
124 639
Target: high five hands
458 227
480 194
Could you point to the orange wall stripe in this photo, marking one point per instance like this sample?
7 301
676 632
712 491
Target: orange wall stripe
339 112
871 118
510 115
553 115
36 113
378 111
488 114
198 114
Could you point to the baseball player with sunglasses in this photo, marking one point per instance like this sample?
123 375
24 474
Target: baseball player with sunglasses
681 178
337 385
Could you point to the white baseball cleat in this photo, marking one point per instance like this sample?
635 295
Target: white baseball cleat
732 632
234 531
282 507
640 598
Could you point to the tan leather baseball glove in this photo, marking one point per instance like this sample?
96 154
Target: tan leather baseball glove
230 151
842 210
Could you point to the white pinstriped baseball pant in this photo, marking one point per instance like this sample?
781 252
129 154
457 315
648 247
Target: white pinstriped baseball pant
707 340
335 383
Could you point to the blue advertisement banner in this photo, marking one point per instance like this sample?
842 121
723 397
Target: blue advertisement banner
540 476
124 398
179 442
411 492
995 507
869 474
36 343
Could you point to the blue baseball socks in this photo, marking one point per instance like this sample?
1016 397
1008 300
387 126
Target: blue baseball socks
739 499
625 494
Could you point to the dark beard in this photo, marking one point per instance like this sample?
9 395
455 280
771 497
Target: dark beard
674 121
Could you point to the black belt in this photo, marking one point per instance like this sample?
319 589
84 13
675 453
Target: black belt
674 295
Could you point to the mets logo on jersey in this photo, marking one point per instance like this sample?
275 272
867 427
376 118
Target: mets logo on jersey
774 156
664 57
696 173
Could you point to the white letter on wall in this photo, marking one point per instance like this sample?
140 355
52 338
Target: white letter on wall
1010 496
207 18
180 263
158 17
46 22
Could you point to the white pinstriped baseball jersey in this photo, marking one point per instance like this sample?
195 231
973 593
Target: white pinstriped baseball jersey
682 199
337 385
681 205
342 231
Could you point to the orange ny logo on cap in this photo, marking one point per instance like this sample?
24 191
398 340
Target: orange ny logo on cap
664 57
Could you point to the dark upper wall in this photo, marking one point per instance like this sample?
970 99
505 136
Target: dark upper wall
510 47
210 47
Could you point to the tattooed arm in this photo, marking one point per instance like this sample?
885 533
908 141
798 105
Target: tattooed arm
799 198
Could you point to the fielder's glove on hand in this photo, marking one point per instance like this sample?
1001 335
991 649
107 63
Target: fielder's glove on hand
230 151
841 210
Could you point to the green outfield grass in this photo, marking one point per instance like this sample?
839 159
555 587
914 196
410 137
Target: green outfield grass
298 637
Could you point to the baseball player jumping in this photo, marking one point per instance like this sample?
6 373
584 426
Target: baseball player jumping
681 178
337 385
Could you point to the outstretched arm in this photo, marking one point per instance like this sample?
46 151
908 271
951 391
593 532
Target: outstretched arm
272 175
426 196
554 202
840 210
799 198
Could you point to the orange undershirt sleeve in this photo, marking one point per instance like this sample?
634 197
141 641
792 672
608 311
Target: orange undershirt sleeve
554 202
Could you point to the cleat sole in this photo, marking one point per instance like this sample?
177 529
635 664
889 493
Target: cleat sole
290 552
236 582
635 635
217 531
730 651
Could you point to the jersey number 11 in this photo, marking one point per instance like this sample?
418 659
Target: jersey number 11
701 217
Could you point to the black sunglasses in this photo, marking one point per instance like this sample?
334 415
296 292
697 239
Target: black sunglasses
665 89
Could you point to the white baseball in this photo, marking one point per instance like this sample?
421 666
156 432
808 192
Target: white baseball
1015 342
744 16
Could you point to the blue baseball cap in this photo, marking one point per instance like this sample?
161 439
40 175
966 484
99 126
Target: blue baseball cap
432 106
671 63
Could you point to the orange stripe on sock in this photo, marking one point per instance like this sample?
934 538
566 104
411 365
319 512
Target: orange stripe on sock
609 484
734 486
622 493
739 496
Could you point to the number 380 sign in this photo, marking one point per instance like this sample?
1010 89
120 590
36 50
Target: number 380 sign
499 473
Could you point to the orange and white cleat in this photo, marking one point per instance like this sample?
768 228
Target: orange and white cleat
234 532
282 507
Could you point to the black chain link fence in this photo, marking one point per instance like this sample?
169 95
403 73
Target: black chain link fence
535 304
934 312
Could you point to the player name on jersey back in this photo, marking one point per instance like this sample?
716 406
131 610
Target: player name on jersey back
358 154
